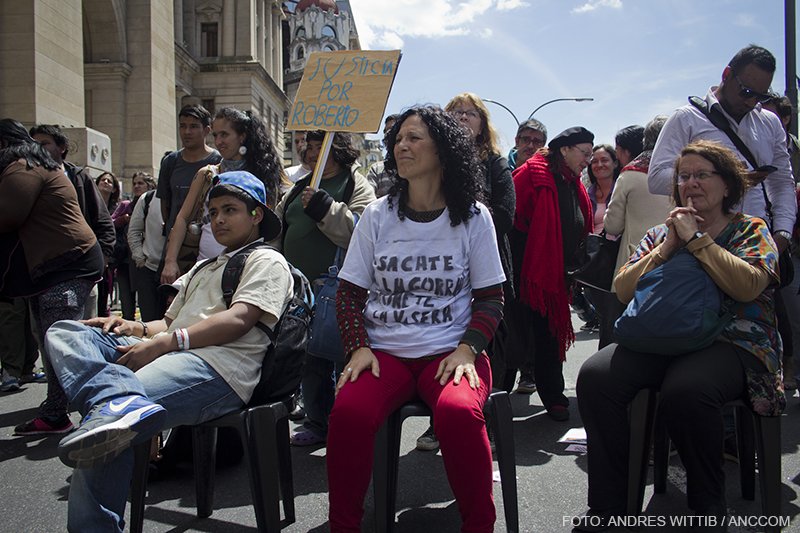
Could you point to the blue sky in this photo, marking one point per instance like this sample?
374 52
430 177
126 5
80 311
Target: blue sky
636 58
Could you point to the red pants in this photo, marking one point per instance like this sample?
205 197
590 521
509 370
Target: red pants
362 406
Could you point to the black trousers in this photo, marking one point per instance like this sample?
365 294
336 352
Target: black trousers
694 387
532 337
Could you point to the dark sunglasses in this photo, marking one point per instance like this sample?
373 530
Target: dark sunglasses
747 93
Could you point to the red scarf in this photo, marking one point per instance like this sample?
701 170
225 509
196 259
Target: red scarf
543 286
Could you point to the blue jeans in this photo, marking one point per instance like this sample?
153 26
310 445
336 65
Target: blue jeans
84 361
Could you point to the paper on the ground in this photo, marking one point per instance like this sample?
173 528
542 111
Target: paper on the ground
579 448
574 436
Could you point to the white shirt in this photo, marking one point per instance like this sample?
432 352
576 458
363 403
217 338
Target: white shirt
145 234
763 134
420 277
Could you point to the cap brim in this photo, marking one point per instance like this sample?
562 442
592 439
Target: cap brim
270 225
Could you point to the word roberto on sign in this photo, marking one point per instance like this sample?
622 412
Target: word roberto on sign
323 116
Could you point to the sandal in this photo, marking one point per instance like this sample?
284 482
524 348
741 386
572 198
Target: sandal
305 437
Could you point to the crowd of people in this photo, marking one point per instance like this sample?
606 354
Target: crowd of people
455 266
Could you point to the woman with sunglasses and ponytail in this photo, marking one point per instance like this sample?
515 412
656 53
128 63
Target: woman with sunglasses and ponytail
244 144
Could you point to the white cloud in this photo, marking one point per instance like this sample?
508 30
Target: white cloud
486 33
592 5
744 20
384 24
506 5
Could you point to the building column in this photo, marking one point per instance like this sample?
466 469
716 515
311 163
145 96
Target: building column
277 46
228 28
177 9
41 53
262 32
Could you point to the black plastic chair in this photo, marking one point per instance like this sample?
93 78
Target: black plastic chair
264 431
387 451
754 435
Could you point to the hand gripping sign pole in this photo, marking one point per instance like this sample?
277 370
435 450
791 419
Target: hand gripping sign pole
345 90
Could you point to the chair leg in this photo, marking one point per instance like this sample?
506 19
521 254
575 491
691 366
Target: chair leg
661 450
499 405
745 446
641 421
286 473
264 468
384 474
204 446
768 442
141 466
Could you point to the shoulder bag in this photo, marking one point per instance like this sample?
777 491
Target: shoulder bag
190 248
599 261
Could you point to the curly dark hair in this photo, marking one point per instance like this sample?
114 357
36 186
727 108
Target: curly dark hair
16 143
343 149
262 158
458 156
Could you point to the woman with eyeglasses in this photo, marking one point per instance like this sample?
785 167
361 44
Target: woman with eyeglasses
739 255
498 190
553 215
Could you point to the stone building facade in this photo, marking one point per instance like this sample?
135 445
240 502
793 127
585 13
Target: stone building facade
125 67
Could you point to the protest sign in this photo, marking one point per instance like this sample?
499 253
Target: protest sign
345 90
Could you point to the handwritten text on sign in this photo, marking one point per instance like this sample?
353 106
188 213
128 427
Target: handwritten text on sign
344 91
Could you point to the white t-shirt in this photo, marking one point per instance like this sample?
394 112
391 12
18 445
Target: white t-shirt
266 283
420 277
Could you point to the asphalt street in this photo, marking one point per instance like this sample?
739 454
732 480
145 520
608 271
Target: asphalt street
551 479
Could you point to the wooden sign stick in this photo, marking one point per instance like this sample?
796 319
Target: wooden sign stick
322 159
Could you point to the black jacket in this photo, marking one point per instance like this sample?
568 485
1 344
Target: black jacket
93 207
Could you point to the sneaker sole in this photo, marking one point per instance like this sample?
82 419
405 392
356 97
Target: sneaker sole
104 443
59 431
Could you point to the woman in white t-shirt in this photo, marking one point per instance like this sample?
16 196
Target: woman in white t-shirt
419 301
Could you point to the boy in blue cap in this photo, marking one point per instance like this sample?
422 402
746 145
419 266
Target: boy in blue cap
130 379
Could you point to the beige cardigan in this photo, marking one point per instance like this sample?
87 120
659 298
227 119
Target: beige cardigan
633 210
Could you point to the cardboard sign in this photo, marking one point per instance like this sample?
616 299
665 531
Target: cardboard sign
344 91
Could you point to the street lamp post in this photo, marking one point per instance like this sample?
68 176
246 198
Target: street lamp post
574 99
495 102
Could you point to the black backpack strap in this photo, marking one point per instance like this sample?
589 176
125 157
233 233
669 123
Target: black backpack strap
718 119
233 274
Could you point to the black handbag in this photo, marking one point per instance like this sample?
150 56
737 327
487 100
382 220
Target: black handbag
599 262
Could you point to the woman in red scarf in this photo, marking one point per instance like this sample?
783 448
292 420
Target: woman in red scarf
553 216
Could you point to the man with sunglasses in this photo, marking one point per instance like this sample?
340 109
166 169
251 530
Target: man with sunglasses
744 87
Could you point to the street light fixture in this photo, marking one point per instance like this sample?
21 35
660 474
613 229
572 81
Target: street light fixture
576 99
495 102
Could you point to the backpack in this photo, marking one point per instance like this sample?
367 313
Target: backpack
676 309
283 362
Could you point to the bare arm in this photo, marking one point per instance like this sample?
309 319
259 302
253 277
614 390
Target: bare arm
171 271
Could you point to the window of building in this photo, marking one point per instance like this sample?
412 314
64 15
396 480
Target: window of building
301 53
208 103
209 37
328 31
300 33
261 107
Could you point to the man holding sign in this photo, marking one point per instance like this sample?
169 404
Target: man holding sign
316 222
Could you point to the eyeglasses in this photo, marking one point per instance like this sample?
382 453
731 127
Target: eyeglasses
524 139
587 154
458 113
699 176
747 93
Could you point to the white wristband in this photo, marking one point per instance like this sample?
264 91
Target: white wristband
182 337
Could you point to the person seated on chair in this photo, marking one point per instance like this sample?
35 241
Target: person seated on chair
129 379
420 298
738 253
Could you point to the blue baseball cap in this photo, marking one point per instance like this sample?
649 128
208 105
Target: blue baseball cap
254 187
